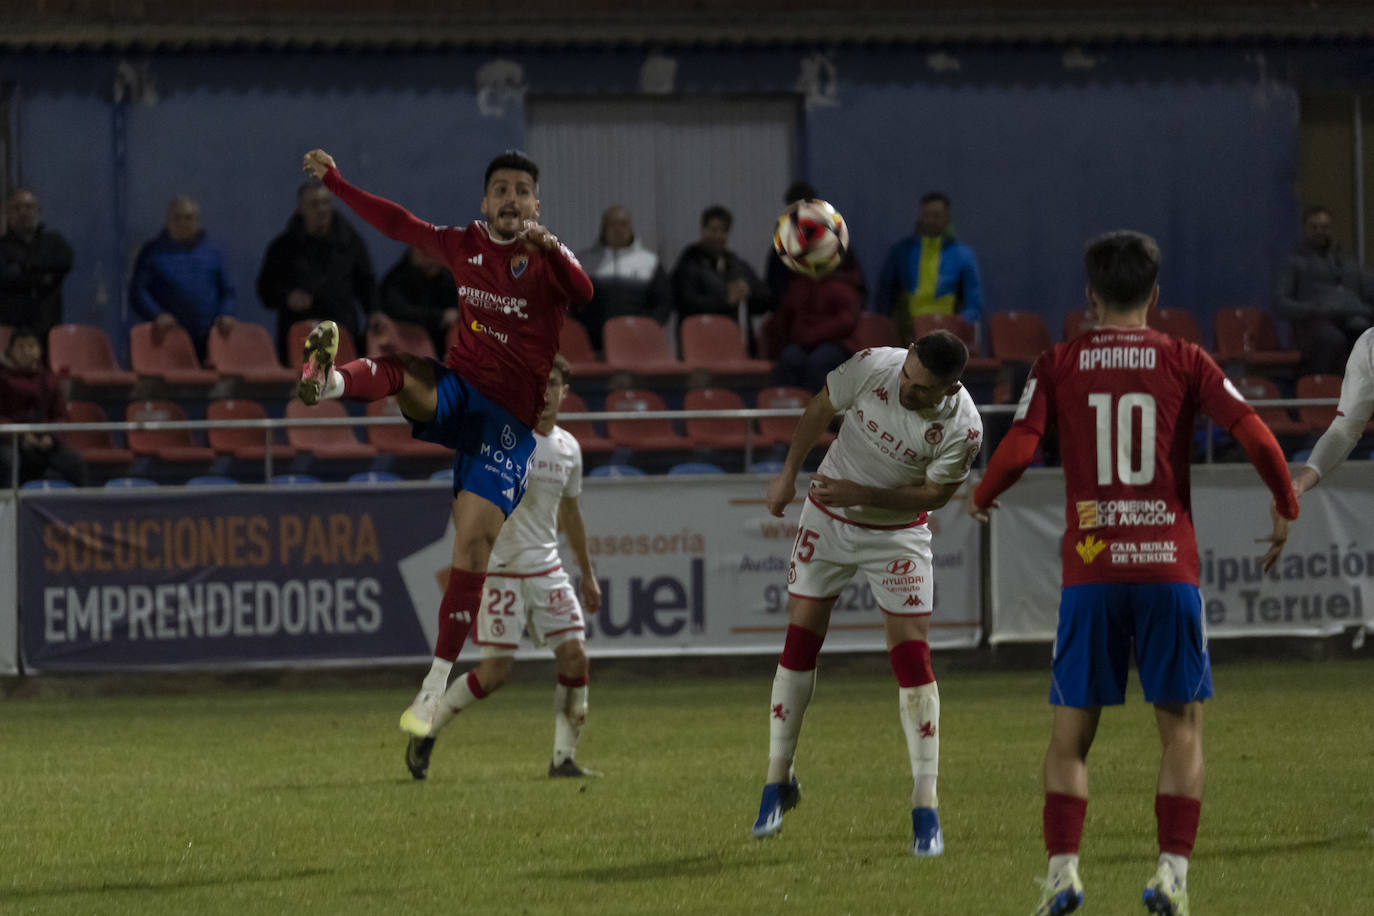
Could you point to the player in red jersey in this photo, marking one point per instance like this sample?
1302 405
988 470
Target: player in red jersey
1123 399
515 281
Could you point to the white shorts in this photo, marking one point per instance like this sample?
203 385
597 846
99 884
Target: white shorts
543 603
830 549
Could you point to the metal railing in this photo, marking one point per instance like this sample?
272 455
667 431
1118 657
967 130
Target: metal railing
14 431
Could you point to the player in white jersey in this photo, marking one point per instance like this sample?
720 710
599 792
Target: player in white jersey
1353 412
909 437
527 588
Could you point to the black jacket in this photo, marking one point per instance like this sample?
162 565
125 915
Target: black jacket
31 275
410 294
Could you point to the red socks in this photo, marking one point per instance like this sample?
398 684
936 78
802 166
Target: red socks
372 379
911 663
801 648
462 600
1064 823
1176 818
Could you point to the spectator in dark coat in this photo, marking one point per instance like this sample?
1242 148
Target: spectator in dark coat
420 290
806 334
31 393
709 279
34 261
317 269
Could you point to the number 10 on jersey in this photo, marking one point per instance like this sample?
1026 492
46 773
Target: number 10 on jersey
1135 461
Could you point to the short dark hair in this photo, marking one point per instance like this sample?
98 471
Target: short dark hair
943 353
23 331
716 211
1123 266
932 196
511 159
310 184
799 190
560 362
1313 210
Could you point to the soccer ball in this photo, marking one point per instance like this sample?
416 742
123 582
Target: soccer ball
811 237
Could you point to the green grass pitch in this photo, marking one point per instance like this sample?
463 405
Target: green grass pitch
297 801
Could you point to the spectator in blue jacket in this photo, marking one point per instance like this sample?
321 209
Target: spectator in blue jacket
180 278
930 272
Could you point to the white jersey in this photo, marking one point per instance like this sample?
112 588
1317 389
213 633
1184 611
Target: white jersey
528 542
1357 403
882 444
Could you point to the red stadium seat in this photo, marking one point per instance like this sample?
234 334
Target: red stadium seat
94 447
718 432
1018 337
642 435
714 343
778 430
386 336
249 353
639 345
874 330
174 445
576 348
1279 421
1176 323
329 442
1317 419
83 352
584 431
246 444
1078 321
167 354
922 325
396 440
1247 335
295 342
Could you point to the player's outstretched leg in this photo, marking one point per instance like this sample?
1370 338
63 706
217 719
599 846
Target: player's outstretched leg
417 756
778 799
321 346
1063 891
1166 894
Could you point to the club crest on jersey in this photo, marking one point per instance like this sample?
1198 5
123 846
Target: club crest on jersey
935 434
518 263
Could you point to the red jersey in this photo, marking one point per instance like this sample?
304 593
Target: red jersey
511 300
1124 401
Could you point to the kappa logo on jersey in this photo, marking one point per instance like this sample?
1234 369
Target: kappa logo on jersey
866 353
912 601
973 434
936 434
1089 548
881 392
518 263
508 438
900 567
475 259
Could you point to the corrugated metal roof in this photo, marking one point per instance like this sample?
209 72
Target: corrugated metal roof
927 27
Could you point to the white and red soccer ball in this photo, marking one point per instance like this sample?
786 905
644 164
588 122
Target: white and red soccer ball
811 237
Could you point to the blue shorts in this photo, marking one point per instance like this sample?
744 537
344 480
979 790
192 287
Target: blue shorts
1098 625
493 447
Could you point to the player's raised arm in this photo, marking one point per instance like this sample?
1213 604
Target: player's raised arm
567 270
1017 448
390 219
782 489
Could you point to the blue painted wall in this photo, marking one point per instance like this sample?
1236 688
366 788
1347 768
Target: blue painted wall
1198 147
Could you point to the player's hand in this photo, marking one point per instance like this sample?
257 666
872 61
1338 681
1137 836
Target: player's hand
317 162
537 237
980 515
1304 480
591 594
837 494
1277 538
782 490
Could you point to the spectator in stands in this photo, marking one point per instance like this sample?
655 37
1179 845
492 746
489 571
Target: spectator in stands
806 333
627 278
930 272
420 290
180 278
34 261
1326 296
31 393
709 279
317 269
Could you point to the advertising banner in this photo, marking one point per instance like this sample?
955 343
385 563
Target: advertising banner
1321 586
9 588
354 575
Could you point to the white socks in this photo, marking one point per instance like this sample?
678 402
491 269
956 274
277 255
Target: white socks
333 386
1060 861
456 699
569 715
920 712
1179 865
792 691
437 679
